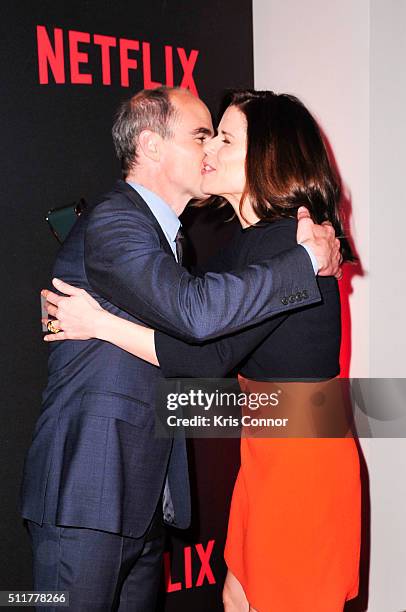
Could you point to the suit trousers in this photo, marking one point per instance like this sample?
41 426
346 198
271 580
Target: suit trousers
102 571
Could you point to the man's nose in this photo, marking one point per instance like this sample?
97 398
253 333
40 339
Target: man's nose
209 145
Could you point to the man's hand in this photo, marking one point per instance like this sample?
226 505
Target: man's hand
322 241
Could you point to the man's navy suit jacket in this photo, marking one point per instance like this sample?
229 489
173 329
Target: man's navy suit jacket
94 460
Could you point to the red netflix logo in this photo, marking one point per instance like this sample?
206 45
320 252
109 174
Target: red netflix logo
189 578
51 59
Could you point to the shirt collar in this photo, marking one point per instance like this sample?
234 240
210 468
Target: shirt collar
162 212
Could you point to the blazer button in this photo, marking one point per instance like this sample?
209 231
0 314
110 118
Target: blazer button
305 294
299 296
285 301
292 299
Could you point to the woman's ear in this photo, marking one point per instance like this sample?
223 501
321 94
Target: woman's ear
150 144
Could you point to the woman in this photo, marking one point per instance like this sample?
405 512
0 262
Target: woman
294 528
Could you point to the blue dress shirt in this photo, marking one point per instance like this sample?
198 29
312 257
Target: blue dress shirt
162 212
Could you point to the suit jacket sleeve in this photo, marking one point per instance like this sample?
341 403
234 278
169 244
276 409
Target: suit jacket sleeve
126 264
213 359
218 357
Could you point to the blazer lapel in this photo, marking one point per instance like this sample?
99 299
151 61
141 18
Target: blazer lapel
140 203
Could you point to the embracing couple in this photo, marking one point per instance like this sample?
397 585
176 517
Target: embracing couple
98 487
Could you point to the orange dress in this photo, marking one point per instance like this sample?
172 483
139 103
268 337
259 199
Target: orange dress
294 529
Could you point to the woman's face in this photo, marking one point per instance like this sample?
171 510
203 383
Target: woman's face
224 163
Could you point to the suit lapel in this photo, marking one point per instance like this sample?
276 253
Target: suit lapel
140 203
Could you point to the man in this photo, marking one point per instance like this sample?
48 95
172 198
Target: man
96 480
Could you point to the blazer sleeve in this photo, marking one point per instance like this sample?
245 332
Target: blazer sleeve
215 358
126 264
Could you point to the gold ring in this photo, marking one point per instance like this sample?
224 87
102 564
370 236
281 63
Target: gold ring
51 328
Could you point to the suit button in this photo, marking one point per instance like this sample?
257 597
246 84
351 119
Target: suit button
299 296
285 301
305 294
292 299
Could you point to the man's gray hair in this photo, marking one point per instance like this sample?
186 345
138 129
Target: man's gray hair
147 110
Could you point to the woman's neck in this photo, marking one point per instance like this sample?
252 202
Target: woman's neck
246 216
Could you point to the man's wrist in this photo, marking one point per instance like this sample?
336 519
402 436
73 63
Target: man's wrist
312 256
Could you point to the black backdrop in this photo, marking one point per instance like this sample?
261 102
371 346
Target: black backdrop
56 147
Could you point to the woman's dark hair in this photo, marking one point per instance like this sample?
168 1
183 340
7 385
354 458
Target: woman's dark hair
287 165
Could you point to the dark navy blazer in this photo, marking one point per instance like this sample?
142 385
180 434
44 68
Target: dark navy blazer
94 460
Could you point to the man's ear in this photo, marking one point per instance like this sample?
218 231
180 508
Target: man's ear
150 144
